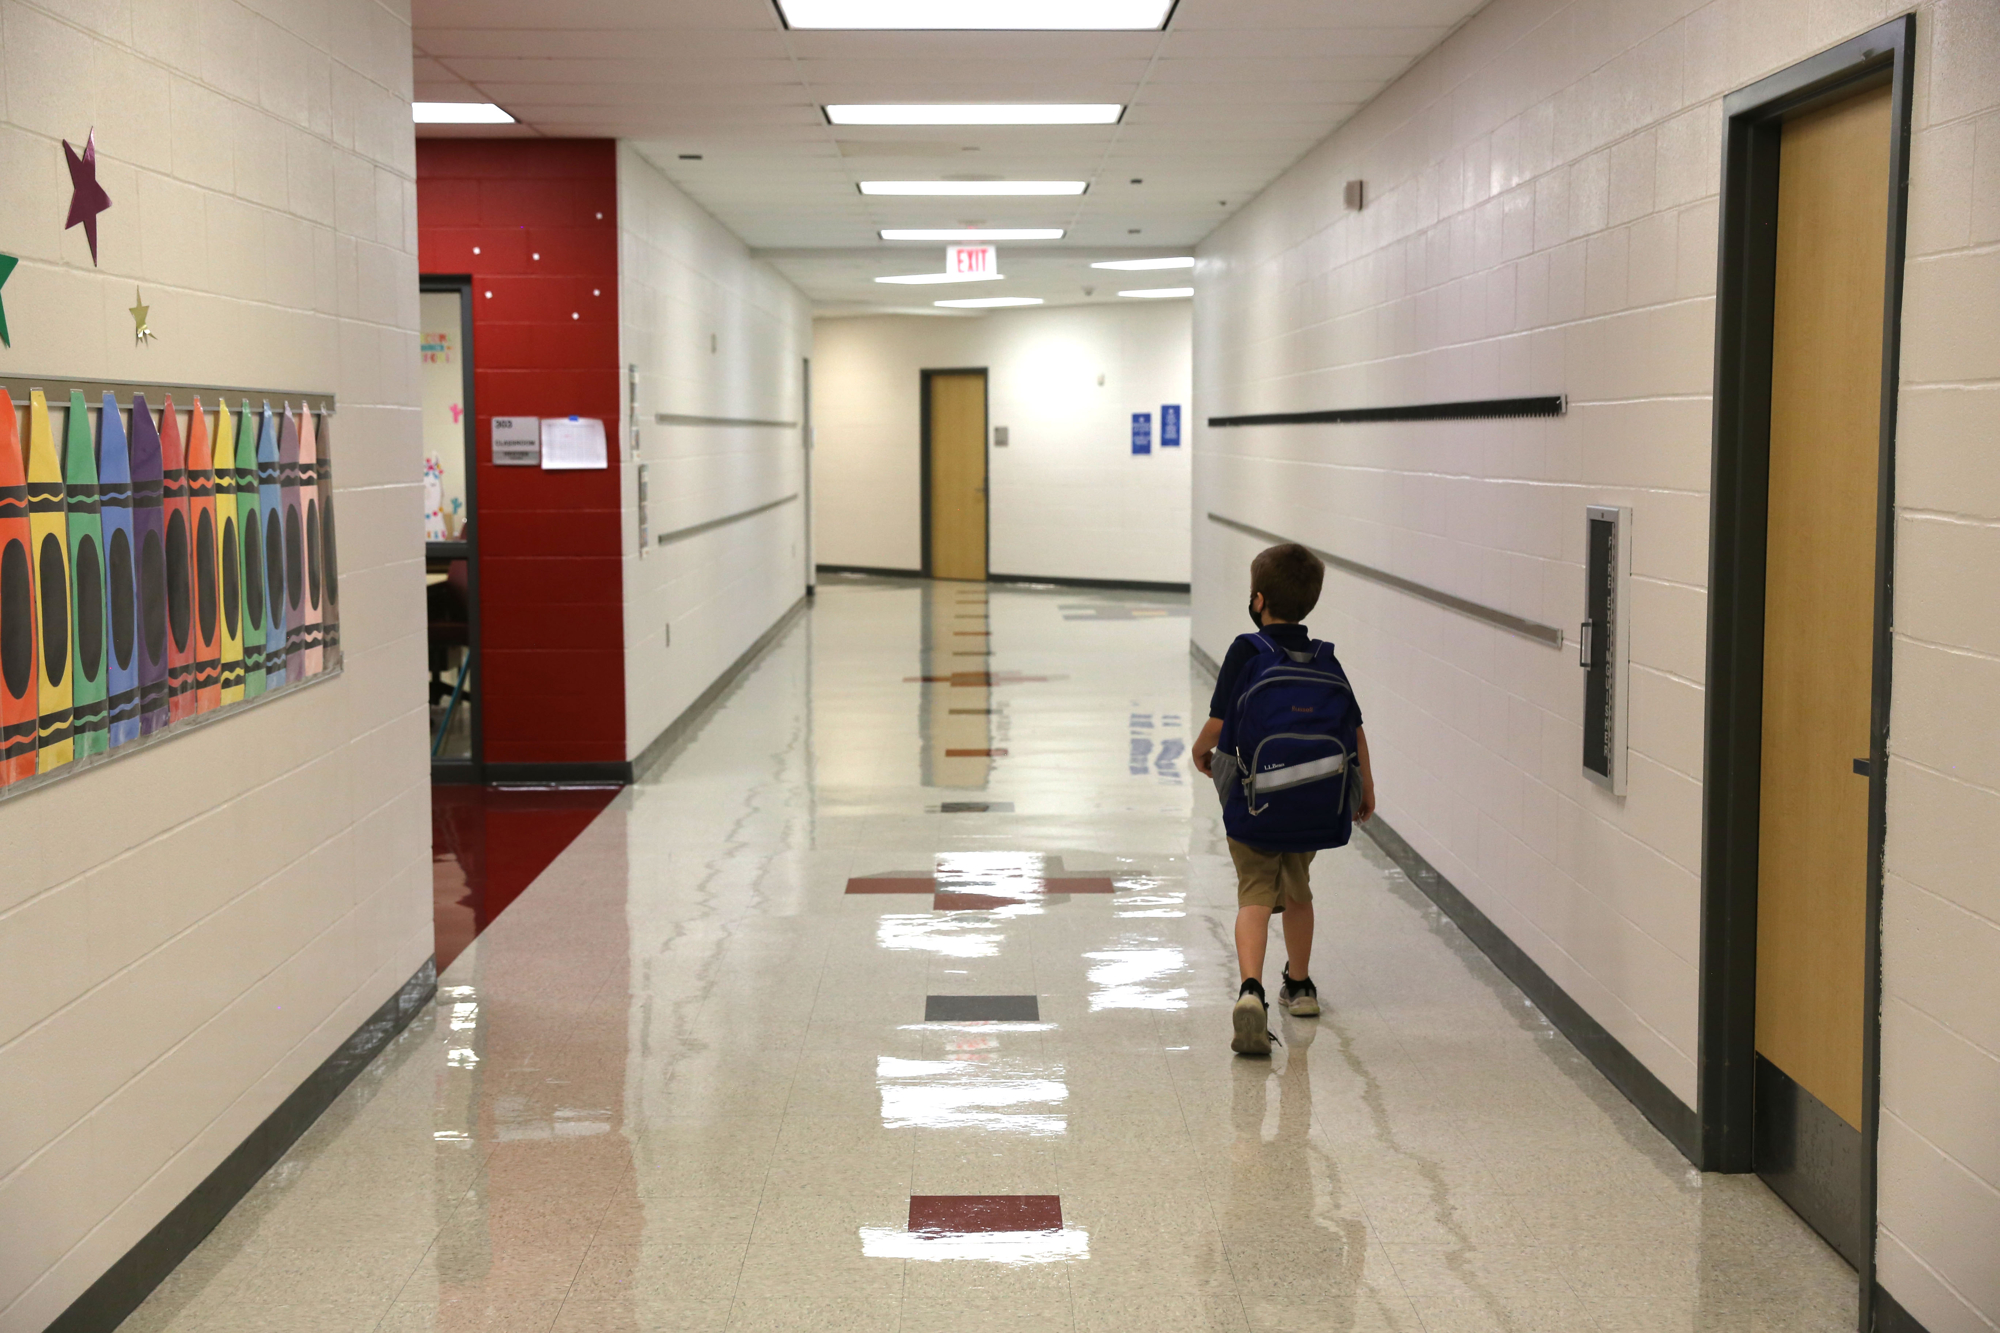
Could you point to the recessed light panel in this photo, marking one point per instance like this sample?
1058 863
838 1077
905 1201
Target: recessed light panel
459 113
914 278
971 187
971 233
976 113
1160 293
1185 261
989 302
979 15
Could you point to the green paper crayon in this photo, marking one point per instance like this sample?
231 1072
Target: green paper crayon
91 658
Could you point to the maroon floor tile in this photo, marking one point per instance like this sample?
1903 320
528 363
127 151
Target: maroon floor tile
1080 884
951 901
975 754
892 883
968 1214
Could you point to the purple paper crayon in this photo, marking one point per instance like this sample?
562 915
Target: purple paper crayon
270 505
121 570
149 536
295 548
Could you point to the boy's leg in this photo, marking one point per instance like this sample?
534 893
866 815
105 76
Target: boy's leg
1297 994
1253 936
1256 897
1298 922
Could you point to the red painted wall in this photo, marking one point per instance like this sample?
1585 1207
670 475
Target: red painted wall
542 215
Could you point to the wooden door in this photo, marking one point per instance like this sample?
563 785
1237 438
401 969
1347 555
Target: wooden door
957 432
1821 584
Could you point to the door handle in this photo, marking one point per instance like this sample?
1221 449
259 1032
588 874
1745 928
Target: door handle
1864 768
1583 633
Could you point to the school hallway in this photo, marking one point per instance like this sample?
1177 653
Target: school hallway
896 998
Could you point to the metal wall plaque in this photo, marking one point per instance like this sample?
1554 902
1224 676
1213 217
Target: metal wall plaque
1604 644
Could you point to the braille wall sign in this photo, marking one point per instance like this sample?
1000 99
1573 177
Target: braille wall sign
1170 426
1142 432
517 442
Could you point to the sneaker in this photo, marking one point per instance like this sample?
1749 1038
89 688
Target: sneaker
1300 998
1252 1020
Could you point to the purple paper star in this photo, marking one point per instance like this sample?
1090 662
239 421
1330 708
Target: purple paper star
87 198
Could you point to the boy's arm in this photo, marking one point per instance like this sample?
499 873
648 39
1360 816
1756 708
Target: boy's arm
1204 744
1367 776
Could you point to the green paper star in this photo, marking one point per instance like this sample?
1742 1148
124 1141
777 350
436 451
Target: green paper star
7 263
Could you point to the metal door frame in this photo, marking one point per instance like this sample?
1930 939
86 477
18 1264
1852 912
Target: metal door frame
1746 285
472 769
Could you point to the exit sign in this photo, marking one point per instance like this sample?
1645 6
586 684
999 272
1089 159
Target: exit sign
972 261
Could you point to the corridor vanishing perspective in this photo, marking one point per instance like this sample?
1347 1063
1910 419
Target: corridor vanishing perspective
896 998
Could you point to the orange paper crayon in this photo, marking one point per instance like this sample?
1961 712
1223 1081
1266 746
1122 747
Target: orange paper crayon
20 705
48 523
202 582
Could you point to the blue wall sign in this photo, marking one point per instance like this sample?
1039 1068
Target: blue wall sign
1142 432
1170 426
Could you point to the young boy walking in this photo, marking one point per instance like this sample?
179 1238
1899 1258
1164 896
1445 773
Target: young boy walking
1294 774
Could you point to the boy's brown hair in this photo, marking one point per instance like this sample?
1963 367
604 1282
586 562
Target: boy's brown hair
1289 576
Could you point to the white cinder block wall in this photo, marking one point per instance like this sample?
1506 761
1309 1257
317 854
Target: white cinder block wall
1542 219
1068 497
714 333
186 933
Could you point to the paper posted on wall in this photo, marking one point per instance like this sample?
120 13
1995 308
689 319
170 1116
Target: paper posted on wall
570 443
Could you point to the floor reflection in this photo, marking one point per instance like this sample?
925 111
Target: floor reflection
489 843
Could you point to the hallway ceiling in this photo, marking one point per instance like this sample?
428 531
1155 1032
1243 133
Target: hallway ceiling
1221 102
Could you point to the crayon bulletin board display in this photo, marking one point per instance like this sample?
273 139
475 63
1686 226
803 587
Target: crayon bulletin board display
166 559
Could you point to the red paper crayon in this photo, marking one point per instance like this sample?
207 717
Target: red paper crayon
202 581
20 704
180 566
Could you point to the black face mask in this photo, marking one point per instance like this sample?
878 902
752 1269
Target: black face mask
1255 619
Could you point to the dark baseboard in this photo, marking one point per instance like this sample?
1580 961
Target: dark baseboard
557 774
1132 585
127 1283
1668 1113
1203 660
871 571
1811 1159
1891 1317
693 715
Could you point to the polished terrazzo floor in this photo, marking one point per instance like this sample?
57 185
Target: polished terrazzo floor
686 1080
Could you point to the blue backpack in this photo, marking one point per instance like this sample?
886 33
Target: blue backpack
1286 763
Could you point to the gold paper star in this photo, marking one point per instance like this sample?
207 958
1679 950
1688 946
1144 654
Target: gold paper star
140 331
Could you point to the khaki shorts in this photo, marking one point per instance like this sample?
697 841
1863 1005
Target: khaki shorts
1271 879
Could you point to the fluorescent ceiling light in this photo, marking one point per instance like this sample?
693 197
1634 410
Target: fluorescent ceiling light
1185 261
976 113
1160 293
989 302
459 113
945 277
1033 15
971 233
972 187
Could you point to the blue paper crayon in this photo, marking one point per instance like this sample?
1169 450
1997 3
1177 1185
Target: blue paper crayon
149 536
121 570
271 506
